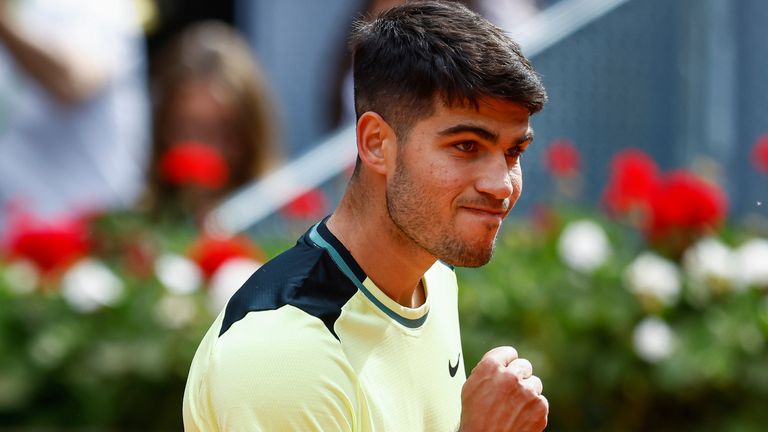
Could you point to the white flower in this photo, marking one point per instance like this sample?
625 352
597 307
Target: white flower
752 263
653 340
22 276
89 285
175 311
49 347
583 246
651 276
180 275
228 278
712 265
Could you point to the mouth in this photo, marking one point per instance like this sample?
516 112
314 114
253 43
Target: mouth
495 215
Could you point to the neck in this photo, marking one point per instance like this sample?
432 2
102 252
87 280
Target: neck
389 258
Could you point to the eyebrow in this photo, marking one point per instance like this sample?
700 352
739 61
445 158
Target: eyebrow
477 130
483 133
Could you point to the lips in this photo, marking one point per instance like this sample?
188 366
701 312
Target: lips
487 213
494 211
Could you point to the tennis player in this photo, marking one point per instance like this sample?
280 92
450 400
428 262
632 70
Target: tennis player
356 327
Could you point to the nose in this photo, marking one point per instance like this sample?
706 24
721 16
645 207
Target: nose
496 179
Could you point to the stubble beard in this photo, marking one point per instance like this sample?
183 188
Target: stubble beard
409 210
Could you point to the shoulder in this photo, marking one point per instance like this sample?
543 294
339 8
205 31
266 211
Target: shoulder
282 370
304 277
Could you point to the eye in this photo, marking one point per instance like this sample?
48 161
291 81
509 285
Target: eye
466 146
515 152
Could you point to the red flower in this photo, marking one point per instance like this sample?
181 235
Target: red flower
633 180
545 219
52 246
194 164
310 205
211 252
562 158
685 203
760 154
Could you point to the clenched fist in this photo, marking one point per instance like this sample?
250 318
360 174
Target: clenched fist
502 394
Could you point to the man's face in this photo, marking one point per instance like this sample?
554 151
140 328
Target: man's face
457 177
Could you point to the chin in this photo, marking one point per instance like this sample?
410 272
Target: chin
473 254
466 261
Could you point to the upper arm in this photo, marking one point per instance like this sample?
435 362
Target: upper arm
282 370
92 43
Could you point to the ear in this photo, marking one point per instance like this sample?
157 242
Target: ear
375 141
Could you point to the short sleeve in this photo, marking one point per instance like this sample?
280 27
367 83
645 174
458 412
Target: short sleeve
282 370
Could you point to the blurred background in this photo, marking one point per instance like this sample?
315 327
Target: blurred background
153 153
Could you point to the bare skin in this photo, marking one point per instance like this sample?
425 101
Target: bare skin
501 394
443 194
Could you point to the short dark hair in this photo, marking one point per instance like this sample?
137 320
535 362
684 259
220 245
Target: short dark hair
411 54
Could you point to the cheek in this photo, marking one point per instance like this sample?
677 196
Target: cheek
433 189
438 179
516 178
447 182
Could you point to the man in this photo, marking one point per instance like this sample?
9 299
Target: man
356 328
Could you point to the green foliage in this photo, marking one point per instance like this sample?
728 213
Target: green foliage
124 365
577 330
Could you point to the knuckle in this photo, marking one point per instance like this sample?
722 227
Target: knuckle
501 352
522 367
487 360
508 375
536 382
512 351
522 361
485 365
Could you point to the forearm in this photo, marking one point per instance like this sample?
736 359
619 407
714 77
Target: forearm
69 76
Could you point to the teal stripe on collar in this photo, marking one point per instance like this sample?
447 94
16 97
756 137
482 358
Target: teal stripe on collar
320 241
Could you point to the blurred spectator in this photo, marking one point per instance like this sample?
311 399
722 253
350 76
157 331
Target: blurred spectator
73 106
213 119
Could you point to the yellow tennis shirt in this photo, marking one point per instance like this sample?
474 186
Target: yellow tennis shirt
309 343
